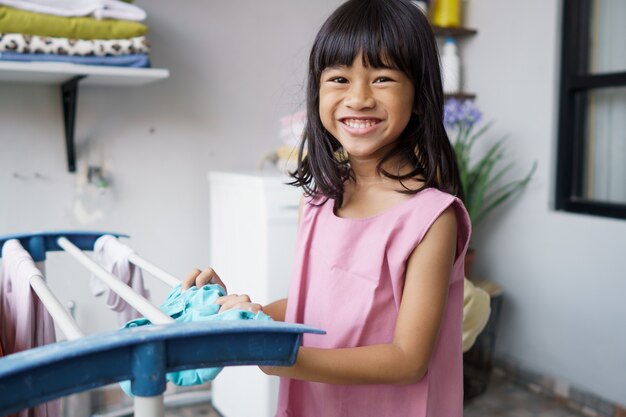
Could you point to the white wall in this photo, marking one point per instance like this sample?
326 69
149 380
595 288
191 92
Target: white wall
236 66
563 274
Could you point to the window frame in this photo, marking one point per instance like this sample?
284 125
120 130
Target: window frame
575 83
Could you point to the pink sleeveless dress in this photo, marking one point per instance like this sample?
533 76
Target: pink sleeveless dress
348 279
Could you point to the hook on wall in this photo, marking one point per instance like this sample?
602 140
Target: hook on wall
36 175
96 177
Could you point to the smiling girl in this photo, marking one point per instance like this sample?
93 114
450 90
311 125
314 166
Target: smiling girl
382 232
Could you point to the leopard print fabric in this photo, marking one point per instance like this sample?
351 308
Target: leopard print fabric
17 42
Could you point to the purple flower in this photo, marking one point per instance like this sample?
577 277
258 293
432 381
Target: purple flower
460 113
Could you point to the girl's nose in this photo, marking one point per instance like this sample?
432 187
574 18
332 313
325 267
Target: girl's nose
360 97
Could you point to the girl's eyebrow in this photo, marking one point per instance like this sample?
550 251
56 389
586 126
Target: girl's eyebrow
336 67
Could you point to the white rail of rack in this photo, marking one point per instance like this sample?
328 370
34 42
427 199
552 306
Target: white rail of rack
157 272
59 314
139 303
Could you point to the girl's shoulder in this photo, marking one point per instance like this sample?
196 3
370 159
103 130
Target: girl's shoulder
430 197
435 195
312 202
422 204
428 205
438 201
315 199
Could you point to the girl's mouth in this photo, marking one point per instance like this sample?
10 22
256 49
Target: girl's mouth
361 125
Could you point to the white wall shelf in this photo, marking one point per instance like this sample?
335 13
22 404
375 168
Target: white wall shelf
61 72
68 76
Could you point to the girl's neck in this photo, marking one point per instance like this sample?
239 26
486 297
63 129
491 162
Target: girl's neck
369 193
366 172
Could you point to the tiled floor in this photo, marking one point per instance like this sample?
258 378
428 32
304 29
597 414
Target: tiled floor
197 411
505 398
502 399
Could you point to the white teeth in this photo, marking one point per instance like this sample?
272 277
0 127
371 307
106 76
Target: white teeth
359 124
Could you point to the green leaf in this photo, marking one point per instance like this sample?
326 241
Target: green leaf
505 192
481 179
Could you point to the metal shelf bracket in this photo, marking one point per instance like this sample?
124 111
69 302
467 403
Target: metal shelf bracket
69 95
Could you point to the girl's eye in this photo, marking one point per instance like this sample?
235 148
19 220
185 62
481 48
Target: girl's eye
338 80
382 79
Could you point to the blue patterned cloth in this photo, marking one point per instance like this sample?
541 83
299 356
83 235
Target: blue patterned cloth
132 60
195 304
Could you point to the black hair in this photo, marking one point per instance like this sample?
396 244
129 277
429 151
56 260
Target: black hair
387 33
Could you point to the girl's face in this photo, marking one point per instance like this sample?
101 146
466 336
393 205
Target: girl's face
365 108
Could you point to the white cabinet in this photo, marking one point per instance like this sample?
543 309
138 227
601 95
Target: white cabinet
253 228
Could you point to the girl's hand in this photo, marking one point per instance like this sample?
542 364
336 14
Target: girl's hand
227 302
239 302
269 370
200 278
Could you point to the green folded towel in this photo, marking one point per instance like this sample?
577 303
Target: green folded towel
30 23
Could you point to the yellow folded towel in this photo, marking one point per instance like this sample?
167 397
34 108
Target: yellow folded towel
39 24
476 311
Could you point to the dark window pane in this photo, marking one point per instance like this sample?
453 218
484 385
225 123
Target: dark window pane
605 145
608 36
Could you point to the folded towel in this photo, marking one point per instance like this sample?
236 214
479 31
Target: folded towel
115 9
20 21
17 42
135 60
100 9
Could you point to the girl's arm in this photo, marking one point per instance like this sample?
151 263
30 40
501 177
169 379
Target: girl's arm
276 310
406 359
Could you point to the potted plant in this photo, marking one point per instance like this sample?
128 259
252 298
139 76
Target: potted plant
485 187
483 177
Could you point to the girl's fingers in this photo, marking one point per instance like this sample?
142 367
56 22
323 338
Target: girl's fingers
240 302
205 277
200 278
227 302
209 276
215 279
191 279
230 297
252 307
230 301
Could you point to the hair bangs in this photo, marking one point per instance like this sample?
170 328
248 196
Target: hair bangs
368 31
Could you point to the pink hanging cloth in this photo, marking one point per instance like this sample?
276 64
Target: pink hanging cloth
24 321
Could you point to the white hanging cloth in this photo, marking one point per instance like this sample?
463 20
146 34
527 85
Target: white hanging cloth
113 256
